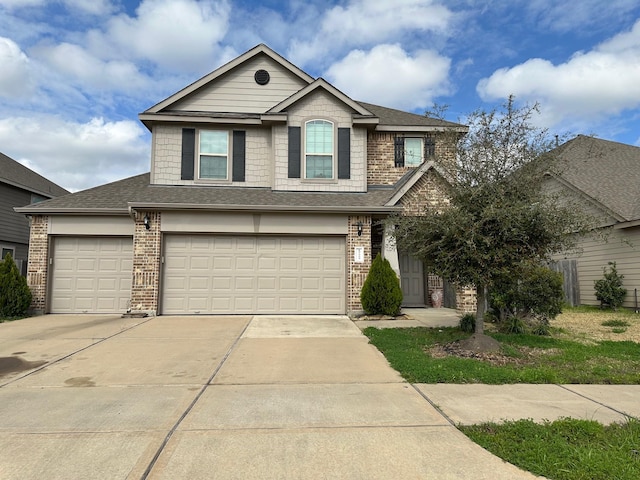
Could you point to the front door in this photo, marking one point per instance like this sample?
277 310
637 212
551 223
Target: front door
411 281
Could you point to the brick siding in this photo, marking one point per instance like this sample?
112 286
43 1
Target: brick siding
357 271
146 264
38 266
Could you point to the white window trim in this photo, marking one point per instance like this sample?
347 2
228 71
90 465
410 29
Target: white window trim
334 153
199 179
406 156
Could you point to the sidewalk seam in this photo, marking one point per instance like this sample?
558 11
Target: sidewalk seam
438 409
624 414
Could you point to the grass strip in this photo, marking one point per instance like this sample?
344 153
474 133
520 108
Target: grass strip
566 449
523 359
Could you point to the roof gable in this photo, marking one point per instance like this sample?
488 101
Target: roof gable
606 171
406 183
16 174
232 87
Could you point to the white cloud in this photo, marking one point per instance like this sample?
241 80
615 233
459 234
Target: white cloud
76 155
93 7
368 22
90 72
21 3
173 34
585 14
387 75
603 81
15 77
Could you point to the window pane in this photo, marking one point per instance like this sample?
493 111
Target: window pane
319 166
213 167
319 137
213 142
413 151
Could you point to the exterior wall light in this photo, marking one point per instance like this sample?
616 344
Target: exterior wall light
147 221
359 229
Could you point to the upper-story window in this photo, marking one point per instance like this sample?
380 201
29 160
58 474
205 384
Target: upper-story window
213 154
413 152
319 142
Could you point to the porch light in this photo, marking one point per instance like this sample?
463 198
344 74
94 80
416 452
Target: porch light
359 229
147 221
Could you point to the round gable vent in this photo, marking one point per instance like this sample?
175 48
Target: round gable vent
261 77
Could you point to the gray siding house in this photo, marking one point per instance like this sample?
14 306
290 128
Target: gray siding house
265 194
20 186
604 177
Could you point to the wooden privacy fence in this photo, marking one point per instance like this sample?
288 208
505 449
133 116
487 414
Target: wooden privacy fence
570 285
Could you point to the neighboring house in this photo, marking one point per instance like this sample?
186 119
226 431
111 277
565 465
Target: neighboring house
20 186
265 195
604 177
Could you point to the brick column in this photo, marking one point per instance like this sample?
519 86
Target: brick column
466 299
38 265
146 264
357 271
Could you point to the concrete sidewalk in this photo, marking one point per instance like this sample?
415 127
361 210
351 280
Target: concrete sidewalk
247 397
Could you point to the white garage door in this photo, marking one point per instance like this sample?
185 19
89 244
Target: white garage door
253 274
91 274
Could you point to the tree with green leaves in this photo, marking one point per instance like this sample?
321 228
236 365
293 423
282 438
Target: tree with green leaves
499 214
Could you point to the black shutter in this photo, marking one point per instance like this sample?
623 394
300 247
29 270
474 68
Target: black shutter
344 153
429 147
188 153
398 150
239 137
294 152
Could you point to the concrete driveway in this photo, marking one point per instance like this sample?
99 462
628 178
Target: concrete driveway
217 397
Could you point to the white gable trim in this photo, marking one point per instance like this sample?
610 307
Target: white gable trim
257 50
321 83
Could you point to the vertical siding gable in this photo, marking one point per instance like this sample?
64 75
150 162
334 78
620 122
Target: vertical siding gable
237 92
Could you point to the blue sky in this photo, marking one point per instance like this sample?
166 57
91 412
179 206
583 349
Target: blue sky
74 74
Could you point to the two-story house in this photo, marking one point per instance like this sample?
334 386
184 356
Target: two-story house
20 186
265 194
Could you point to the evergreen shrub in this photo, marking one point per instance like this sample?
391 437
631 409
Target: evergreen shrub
381 293
15 296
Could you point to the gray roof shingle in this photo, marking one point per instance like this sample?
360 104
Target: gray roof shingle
604 170
398 118
115 198
18 175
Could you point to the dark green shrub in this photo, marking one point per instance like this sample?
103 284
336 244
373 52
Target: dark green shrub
15 296
534 291
381 293
609 289
514 324
468 323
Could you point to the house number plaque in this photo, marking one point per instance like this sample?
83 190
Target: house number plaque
358 254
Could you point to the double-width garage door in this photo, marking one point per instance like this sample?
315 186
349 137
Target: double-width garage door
253 274
91 274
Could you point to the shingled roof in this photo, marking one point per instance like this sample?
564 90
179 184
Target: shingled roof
117 197
398 118
608 172
16 174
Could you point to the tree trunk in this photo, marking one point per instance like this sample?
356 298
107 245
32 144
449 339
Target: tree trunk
481 307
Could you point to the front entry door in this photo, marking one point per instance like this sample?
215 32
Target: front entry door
411 281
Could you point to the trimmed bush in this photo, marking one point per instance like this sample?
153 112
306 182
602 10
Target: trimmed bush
381 293
15 296
535 291
609 289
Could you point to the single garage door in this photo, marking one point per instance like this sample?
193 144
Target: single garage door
253 274
91 274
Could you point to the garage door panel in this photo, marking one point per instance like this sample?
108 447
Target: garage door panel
91 274
254 274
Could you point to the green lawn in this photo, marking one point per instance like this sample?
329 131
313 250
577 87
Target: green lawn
524 359
567 449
